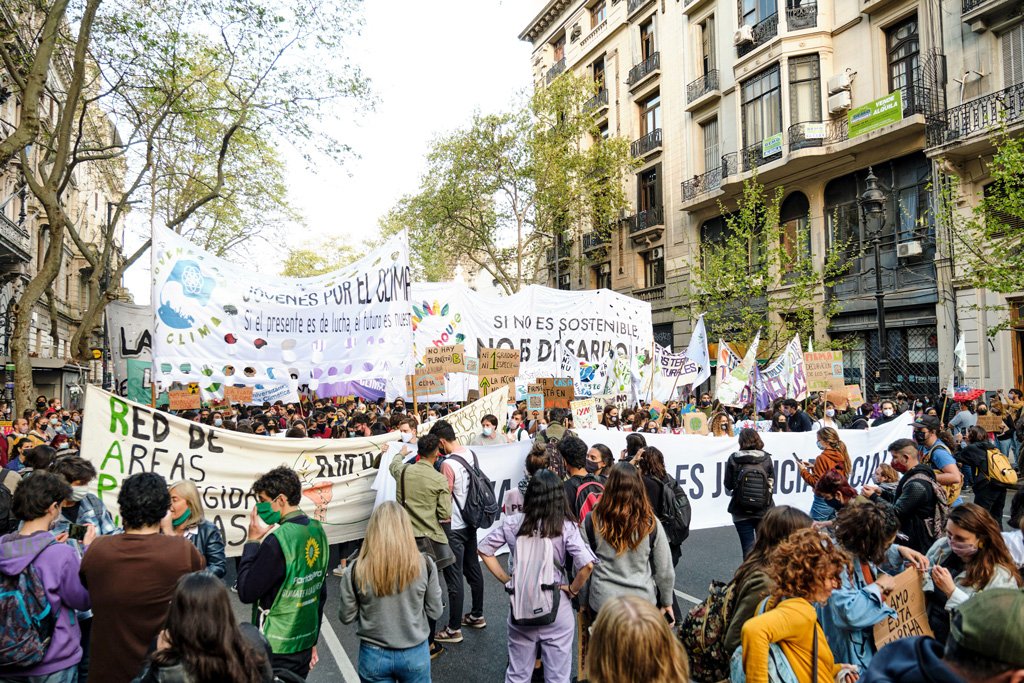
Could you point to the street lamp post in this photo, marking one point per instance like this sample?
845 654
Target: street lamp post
872 203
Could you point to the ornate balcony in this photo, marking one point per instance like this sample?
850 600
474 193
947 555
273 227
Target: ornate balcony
763 32
633 6
647 226
976 117
656 293
564 253
597 103
982 15
641 71
754 156
646 145
556 70
803 15
597 240
702 86
809 134
14 240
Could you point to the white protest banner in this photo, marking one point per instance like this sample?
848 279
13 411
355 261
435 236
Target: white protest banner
797 381
590 324
220 323
589 377
698 462
675 371
584 414
736 388
129 337
466 422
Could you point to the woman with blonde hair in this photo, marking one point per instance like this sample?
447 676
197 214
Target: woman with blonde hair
392 589
632 643
188 520
720 423
834 456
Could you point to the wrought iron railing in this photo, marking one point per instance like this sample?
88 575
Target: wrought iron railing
754 156
656 293
702 86
763 32
818 133
647 143
634 5
804 15
650 218
595 240
729 165
709 180
598 101
564 252
979 115
644 68
918 99
970 5
14 234
556 69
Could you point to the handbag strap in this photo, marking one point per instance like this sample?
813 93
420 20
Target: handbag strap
814 666
866 571
403 484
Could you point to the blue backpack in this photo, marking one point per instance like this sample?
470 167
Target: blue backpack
779 668
26 619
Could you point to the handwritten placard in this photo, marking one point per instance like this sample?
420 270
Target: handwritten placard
991 422
492 383
238 394
558 391
183 399
425 384
824 370
907 599
499 362
443 359
695 423
840 399
584 414
853 392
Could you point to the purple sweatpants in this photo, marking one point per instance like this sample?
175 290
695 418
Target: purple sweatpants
555 647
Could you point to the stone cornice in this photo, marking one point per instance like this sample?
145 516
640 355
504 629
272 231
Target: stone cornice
551 11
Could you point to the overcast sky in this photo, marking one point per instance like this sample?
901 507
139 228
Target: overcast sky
431 64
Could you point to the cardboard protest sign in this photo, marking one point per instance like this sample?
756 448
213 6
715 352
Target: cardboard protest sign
657 411
238 394
534 397
824 370
695 423
584 414
183 399
907 599
425 384
499 362
840 399
558 391
991 422
218 404
491 383
853 393
472 365
443 359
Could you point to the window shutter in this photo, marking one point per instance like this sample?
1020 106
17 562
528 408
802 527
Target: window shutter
1013 55
658 182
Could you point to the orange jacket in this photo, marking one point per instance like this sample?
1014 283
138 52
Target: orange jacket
829 459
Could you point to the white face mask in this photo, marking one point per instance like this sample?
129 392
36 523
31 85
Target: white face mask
406 437
79 492
830 412
887 412
431 418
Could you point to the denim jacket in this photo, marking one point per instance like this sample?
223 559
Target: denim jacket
849 617
91 510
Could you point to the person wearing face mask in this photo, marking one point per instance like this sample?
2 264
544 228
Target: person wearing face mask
37 503
610 418
359 426
918 500
988 494
39 432
489 434
704 405
972 557
720 424
888 413
583 479
885 477
514 430
276 576
188 521
602 458
828 418
833 456
935 452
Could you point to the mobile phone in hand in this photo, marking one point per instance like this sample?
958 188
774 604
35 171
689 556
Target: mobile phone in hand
77 532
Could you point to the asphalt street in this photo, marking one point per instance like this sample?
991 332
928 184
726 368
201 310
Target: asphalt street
707 555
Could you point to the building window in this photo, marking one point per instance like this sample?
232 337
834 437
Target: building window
762 106
709 134
598 13
598 69
602 275
903 54
1005 215
707 45
564 281
559 48
654 267
804 89
650 114
794 215
1012 45
753 12
647 46
712 236
647 195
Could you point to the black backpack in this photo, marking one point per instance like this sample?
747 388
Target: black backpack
481 510
675 512
8 523
753 490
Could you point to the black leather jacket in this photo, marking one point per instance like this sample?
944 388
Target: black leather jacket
210 544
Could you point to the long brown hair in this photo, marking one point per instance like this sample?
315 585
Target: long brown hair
203 635
830 438
775 527
623 515
632 643
652 463
992 549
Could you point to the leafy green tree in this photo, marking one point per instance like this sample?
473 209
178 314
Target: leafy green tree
311 259
758 275
498 190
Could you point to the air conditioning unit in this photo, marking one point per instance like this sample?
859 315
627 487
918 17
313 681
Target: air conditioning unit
658 252
838 83
839 102
908 249
744 34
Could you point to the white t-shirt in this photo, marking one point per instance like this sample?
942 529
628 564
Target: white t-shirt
460 487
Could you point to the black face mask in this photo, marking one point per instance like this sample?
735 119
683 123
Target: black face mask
834 504
920 436
592 467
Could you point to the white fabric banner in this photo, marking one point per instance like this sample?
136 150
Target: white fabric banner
227 324
737 387
129 337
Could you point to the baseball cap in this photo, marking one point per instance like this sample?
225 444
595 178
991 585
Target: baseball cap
930 422
989 625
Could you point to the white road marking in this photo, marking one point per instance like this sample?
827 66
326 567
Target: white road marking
348 672
688 598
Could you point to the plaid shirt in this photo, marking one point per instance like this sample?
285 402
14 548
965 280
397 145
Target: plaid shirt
91 510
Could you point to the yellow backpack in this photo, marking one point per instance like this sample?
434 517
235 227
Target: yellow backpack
999 469
952 490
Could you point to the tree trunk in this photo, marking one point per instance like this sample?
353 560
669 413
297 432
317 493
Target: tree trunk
34 290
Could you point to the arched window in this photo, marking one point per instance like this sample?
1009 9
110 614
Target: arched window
795 218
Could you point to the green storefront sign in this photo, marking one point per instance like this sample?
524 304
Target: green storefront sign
872 116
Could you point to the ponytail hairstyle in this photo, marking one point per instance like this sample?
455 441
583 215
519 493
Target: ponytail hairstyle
830 438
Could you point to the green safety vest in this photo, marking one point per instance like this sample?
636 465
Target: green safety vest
292 624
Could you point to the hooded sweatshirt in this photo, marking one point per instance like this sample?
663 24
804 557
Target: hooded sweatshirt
910 660
57 565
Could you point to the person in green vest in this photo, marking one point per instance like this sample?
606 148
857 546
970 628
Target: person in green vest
282 571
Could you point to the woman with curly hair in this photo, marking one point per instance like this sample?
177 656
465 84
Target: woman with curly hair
720 423
805 569
631 643
971 558
630 544
834 456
